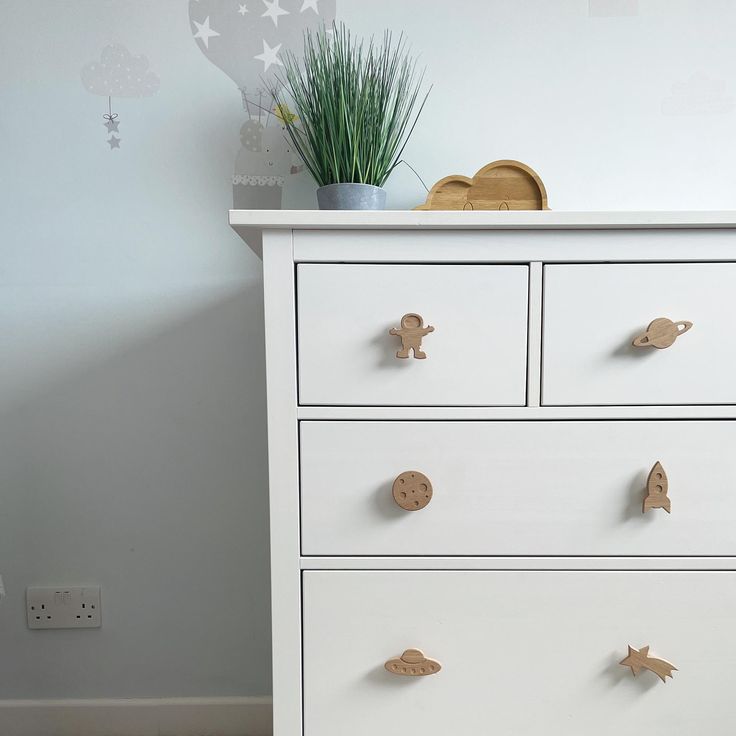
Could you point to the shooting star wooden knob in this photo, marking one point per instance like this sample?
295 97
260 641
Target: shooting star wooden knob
413 663
639 659
412 490
411 332
661 333
657 487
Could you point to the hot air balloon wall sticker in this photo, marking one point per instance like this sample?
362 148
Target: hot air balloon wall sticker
245 39
117 74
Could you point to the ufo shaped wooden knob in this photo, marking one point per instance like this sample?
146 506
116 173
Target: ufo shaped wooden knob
413 663
661 333
412 490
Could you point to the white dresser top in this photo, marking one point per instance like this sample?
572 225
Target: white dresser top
251 223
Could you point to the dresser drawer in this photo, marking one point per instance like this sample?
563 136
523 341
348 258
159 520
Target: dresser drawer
522 653
593 313
517 488
475 355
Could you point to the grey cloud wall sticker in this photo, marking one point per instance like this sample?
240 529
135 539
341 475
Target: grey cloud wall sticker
118 73
245 39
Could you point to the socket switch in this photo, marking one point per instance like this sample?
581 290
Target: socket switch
63 607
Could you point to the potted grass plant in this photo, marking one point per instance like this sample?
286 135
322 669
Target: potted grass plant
357 104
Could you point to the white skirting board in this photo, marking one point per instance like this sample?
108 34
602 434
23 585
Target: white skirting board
235 716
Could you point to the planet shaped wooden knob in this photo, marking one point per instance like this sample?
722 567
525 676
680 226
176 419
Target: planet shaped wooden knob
412 490
661 333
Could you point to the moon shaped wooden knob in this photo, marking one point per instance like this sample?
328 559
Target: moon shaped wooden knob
413 663
639 659
411 332
412 490
661 333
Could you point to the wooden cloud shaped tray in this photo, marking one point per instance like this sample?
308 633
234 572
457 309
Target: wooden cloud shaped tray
501 185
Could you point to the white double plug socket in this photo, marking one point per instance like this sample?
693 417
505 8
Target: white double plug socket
63 607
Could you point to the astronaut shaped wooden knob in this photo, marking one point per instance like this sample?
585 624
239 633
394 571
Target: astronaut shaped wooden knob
411 332
412 490
661 333
413 663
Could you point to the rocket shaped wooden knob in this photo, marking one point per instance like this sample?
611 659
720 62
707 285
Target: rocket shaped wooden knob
657 487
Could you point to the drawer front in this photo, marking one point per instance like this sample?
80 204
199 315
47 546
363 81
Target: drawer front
522 653
517 488
593 313
476 354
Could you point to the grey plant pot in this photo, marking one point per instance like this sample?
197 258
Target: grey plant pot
351 197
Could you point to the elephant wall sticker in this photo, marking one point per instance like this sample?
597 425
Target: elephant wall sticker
245 39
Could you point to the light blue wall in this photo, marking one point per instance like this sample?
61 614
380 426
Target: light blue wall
614 111
132 446
132 409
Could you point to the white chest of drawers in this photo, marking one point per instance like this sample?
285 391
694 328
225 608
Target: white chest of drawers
528 565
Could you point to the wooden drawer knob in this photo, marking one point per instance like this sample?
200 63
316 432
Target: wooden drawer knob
412 490
413 663
411 332
639 659
657 487
661 333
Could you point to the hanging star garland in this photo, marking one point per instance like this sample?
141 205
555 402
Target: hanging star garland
111 123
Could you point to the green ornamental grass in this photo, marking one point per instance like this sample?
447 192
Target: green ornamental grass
355 105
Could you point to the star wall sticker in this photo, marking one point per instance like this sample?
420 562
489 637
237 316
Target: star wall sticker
639 659
284 114
273 11
204 32
270 56
113 142
112 125
241 26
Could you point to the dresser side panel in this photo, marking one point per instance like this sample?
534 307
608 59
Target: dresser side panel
283 467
